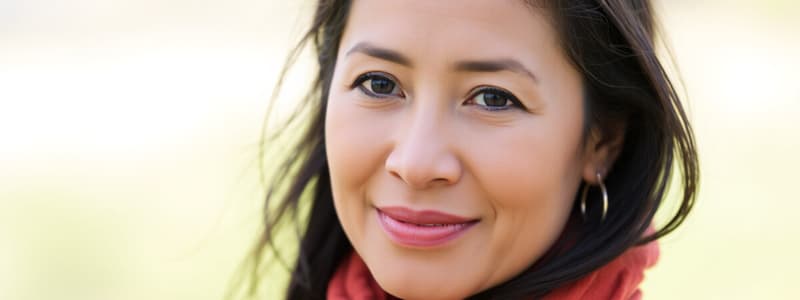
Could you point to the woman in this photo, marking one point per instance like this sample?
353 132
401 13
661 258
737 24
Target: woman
481 149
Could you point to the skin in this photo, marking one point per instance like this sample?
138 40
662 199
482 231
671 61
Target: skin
434 141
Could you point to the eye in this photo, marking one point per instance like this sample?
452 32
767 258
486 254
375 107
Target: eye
494 99
378 85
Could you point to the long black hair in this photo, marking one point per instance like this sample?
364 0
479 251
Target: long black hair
612 44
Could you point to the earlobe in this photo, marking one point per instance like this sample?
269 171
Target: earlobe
602 150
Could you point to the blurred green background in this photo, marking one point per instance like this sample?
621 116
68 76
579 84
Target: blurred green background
129 136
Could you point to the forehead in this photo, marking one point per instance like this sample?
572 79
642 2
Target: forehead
432 31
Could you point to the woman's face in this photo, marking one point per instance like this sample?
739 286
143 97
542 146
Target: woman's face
454 140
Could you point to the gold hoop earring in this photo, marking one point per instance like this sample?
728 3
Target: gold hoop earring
605 198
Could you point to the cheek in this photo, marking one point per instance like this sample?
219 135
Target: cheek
537 164
355 146
355 140
528 168
529 178
348 155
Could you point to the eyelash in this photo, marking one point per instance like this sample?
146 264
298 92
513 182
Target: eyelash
515 103
359 83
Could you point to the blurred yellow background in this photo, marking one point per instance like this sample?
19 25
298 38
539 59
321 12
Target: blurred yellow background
129 136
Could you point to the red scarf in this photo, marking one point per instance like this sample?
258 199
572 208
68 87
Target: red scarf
618 280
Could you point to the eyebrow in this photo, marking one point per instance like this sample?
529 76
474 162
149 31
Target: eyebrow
506 64
497 65
381 53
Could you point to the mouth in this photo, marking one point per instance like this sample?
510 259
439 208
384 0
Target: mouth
422 229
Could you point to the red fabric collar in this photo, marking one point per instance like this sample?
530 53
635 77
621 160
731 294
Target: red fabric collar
618 280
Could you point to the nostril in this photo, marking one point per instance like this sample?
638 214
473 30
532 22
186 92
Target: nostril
421 180
395 174
421 164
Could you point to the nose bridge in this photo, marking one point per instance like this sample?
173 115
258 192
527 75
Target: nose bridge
426 137
422 155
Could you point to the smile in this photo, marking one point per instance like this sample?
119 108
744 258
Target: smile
422 229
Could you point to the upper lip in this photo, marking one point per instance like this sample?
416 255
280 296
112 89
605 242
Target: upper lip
408 215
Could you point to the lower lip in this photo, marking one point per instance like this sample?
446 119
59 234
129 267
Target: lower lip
412 235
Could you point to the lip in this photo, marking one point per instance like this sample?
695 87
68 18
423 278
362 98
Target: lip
422 229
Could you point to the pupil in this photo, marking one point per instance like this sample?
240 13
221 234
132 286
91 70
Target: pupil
382 85
493 99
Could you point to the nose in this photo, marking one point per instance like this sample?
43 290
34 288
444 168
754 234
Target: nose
423 157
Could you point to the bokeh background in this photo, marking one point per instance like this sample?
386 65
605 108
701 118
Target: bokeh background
129 135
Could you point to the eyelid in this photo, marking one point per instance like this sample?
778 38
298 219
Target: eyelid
359 81
487 88
368 75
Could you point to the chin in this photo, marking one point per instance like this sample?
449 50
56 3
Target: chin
435 292
410 287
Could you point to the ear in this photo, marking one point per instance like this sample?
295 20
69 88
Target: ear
601 150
